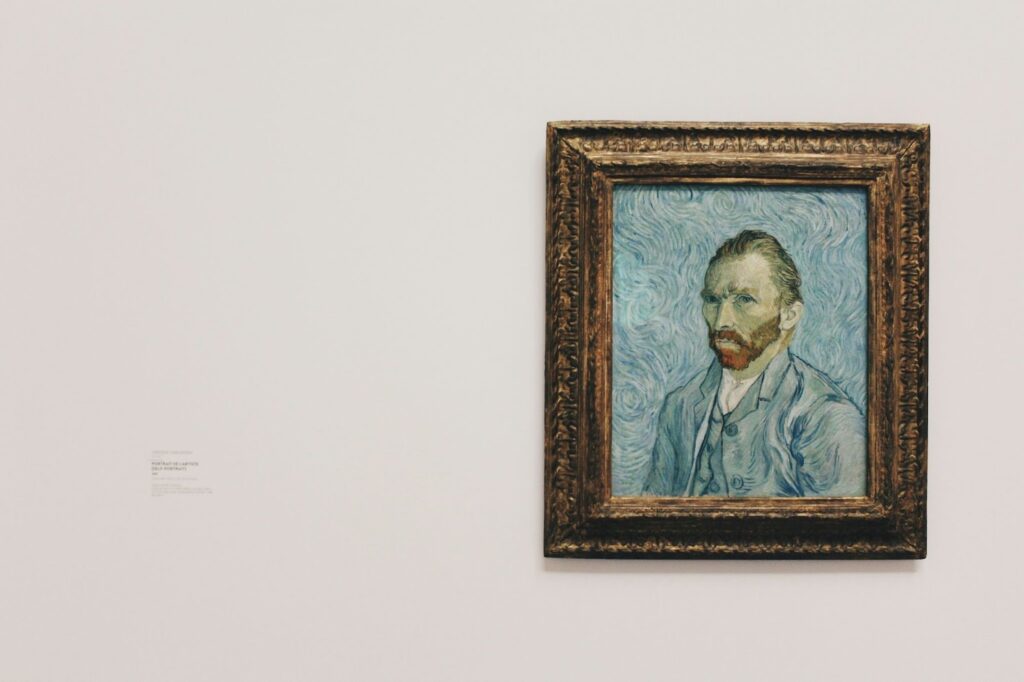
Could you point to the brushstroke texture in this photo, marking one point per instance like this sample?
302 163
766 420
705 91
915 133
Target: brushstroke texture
664 236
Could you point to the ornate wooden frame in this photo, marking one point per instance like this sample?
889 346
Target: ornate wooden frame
584 162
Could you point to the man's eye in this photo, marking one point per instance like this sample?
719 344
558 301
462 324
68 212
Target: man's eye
712 300
743 298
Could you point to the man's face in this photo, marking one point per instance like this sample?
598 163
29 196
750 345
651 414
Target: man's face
741 308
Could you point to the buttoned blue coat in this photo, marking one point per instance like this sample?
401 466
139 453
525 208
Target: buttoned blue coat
794 434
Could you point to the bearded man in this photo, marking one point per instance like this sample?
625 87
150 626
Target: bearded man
760 422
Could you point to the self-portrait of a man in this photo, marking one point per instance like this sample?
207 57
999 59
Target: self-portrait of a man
738 373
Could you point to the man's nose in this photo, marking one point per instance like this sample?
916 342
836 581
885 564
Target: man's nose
726 317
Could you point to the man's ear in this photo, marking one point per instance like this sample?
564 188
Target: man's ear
790 315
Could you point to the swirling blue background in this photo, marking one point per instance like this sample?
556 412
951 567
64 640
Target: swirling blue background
664 236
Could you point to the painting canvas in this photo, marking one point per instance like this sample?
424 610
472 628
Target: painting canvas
739 337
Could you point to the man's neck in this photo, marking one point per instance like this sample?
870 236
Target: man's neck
730 376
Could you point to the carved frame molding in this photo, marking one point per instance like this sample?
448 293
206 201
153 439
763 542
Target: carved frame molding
585 160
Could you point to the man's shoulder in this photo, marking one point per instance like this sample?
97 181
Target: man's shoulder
690 390
818 388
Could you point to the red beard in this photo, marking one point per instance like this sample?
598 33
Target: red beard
748 349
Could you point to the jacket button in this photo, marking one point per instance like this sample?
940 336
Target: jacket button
736 482
731 430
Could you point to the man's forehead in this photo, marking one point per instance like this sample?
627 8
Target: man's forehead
748 272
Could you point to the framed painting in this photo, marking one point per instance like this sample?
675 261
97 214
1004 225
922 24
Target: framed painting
736 340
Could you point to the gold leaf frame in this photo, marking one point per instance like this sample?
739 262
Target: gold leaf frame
585 160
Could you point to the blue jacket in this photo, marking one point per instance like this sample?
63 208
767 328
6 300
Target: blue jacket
794 434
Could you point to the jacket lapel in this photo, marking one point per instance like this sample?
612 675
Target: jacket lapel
773 375
698 421
708 391
764 388
749 403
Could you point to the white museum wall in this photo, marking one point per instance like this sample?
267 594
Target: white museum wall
304 241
